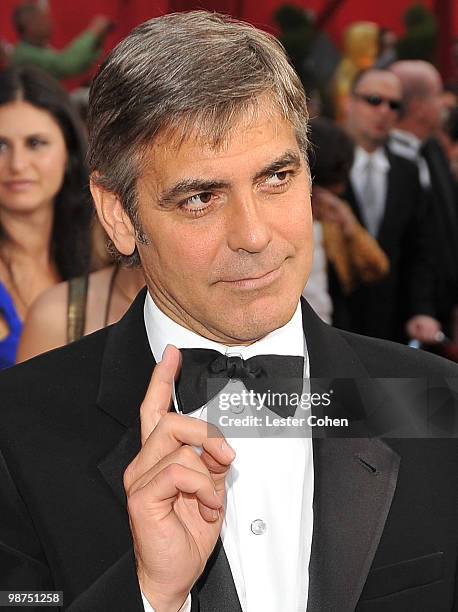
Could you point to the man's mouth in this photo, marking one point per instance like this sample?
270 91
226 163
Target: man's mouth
255 281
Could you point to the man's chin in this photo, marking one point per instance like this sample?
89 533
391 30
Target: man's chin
245 325
379 138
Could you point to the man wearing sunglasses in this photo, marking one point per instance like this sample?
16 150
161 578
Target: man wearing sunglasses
385 193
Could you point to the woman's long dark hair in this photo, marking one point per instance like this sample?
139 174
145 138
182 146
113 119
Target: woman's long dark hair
70 238
332 152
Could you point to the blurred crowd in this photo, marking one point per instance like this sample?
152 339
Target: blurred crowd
384 200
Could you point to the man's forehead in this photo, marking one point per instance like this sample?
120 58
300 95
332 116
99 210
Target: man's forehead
221 138
379 81
269 135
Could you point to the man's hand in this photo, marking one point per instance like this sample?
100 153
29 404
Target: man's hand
424 329
175 497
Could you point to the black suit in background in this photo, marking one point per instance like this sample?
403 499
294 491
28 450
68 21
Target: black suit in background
385 532
444 227
381 309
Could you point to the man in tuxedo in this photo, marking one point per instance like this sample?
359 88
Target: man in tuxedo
109 490
422 114
385 194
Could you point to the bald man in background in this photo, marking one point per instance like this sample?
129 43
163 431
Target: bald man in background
421 116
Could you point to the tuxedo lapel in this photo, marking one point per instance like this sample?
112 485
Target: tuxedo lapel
355 479
127 366
126 371
114 464
216 586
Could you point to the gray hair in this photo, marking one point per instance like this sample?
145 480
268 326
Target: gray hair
181 74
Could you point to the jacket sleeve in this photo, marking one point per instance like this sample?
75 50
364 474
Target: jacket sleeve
117 590
418 270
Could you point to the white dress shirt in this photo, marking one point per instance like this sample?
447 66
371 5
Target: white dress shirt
380 168
407 145
268 523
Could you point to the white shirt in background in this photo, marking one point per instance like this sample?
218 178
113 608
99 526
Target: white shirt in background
380 168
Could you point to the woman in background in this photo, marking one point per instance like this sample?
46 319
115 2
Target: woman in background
82 305
44 209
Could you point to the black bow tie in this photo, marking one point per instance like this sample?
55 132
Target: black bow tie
263 373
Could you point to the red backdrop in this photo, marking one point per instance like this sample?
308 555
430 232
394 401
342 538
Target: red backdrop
72 17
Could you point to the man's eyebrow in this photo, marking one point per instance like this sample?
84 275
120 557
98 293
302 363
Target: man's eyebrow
190 186
288 159
186 186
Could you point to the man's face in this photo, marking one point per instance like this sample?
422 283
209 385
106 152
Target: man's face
229 231
371 116
39 25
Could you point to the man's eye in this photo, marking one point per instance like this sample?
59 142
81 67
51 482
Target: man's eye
277 178
199 199
3 146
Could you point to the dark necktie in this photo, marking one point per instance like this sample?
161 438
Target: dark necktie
261 374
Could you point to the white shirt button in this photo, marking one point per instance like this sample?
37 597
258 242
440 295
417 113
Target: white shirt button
258 527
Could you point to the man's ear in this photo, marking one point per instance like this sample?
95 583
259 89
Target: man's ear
417 108
113 218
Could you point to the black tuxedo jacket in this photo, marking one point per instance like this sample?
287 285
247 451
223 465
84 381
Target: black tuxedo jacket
385 514
381 309
444 226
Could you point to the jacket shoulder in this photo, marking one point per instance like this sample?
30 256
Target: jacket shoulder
385 359
60 370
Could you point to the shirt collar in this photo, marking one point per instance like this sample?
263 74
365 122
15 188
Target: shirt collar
407 139
378 158
162 330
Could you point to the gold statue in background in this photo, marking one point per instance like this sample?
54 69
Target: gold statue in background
360 48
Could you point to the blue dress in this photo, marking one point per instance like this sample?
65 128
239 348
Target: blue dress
8 346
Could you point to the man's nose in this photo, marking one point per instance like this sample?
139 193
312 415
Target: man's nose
385 108
247 227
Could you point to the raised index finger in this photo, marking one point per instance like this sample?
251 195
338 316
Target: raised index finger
158 396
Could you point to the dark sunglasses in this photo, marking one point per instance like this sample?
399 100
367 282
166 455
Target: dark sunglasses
395 105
